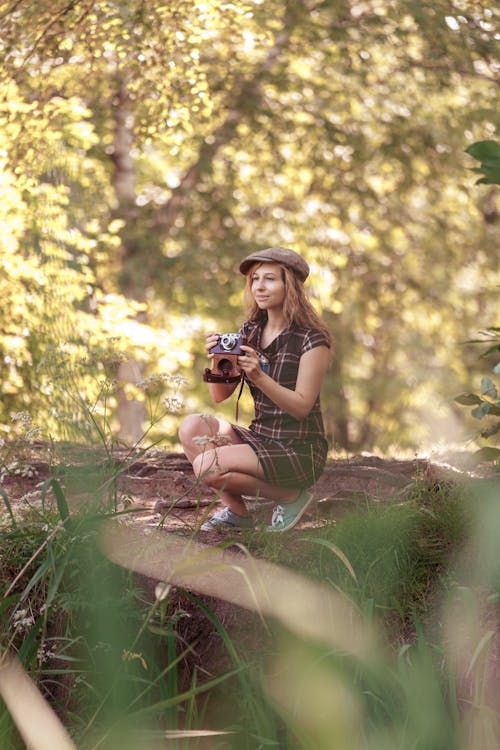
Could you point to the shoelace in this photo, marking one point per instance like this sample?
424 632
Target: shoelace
278 516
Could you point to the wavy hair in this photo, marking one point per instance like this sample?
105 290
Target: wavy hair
296 306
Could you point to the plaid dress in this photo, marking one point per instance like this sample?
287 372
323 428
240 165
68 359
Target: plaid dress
292 451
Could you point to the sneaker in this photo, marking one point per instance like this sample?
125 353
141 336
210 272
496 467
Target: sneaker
226 520
287 515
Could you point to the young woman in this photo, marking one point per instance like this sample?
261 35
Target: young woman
283 451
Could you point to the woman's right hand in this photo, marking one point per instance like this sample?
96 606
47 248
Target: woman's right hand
211 340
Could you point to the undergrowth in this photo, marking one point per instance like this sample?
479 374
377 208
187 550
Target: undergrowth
391 558
111 653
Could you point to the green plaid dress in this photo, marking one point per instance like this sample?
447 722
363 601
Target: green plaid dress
292 451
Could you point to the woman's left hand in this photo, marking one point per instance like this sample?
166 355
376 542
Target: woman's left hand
249 363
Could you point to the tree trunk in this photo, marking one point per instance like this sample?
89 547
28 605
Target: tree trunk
337 416
131 412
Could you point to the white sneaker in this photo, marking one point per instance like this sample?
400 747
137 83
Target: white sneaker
226 520
287 515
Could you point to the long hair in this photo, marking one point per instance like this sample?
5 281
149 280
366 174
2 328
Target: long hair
296 306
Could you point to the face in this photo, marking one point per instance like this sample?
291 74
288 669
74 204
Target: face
268 286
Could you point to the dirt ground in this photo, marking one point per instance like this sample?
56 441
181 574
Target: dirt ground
145 480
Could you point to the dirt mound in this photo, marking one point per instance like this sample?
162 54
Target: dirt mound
139 481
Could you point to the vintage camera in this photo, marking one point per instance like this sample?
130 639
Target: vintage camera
225 360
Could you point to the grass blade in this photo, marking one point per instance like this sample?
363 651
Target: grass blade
8 506
336 551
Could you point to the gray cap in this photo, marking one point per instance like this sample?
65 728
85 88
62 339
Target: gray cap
282 255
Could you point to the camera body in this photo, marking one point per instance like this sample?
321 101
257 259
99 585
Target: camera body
225 360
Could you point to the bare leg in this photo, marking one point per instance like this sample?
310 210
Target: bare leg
232 468
196 427
202 435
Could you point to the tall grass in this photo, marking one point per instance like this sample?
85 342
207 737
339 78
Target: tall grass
98 645
377 632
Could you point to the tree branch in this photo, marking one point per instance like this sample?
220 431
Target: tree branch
448 69
242 92
72 4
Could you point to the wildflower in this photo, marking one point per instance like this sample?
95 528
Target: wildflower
218 440
33 434
178 380
23 417
21 620
173 403
44 654
131 656
153 383
161 591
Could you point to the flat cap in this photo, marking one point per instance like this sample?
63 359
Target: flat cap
282 255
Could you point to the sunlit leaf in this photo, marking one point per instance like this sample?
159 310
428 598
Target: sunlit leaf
488 387
468 399
481 411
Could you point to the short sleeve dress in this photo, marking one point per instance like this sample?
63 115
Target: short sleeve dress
291 451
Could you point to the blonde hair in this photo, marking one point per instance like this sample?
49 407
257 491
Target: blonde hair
296 306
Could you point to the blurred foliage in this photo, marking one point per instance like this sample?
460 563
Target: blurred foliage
486 403
147 148
400 653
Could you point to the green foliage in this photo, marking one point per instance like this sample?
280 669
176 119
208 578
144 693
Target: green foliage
488 153
486 403
390 557
88 634
106 652
145 152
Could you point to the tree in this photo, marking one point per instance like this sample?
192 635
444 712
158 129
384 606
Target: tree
337 128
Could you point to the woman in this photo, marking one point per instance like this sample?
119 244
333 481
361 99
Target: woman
284 450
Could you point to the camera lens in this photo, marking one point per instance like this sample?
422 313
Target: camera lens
228 340
225 366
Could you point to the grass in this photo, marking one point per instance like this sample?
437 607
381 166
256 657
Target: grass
99 648
120 664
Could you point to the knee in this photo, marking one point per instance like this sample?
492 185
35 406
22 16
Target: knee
190 427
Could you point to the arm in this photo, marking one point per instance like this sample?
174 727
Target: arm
220 391
299 402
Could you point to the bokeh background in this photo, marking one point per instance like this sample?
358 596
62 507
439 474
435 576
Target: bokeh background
146 147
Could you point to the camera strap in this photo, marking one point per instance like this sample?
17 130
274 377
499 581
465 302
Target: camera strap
239 396
247 341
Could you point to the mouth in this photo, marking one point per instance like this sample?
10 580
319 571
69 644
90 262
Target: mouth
261 299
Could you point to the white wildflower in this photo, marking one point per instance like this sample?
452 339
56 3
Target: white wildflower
161 591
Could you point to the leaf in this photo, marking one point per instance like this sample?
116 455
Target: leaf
480 411
490 431
483 150
488 387
487 637
467 399
494 348
5 497
62 505
488 153
488 453
496 369
486 181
